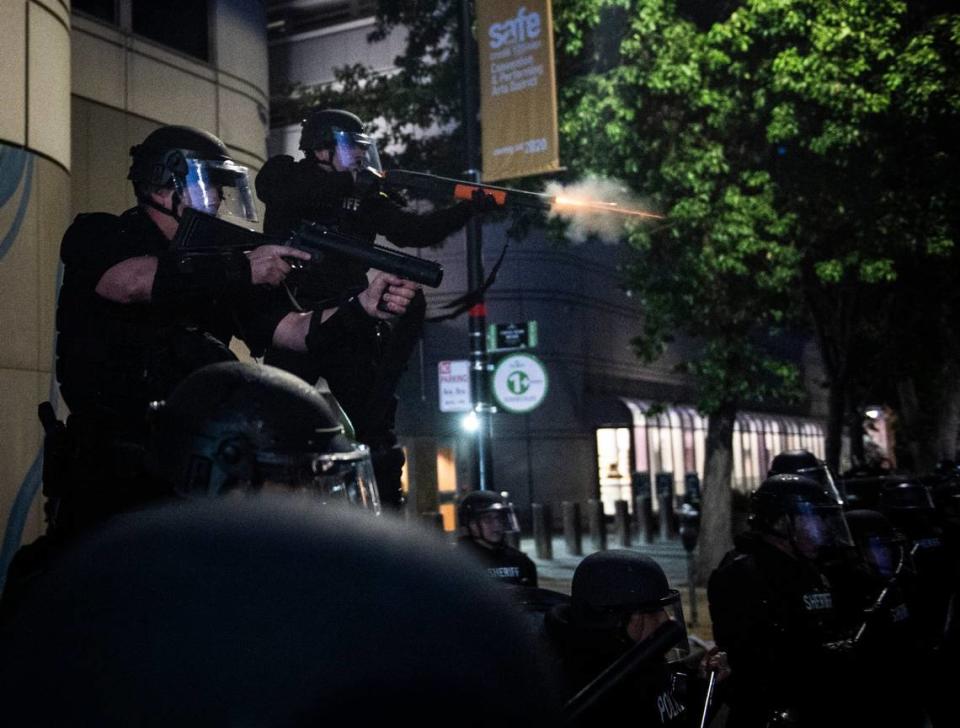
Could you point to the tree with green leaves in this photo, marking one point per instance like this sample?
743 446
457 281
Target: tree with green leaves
718 270
802 152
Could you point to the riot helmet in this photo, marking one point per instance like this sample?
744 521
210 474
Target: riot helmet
883 549
910 508
247 428
804 462
487 516
608 587
343 135
197 167
266 612
799 509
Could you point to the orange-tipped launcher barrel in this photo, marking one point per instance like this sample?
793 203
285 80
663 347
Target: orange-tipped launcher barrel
442 188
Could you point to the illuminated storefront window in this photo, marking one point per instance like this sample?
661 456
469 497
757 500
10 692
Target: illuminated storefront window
447 486
613 462
673 440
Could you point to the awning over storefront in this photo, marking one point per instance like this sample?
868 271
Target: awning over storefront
672 438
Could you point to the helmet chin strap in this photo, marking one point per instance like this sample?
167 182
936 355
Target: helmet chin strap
175 200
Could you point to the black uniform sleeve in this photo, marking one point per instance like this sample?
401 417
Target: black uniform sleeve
407 229
339 332
529 572
742 623
257 318
182 283
92 245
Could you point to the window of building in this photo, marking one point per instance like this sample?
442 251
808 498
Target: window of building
613 463
447 486
182 25
674 441
179 24
101 9
288 18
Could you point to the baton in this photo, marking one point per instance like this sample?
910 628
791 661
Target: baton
641 655
709 698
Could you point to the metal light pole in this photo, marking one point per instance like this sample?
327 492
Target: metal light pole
479 379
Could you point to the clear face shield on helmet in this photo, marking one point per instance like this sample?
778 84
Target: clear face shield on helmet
822 475
354 151
220 188
673 609
334 478
886 556
818 529
494 523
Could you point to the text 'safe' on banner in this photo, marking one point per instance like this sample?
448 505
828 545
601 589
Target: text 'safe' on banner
518 100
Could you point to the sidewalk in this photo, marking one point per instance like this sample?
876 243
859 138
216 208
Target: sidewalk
556 573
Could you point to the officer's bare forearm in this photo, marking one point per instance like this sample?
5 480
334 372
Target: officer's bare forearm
129 281
291 332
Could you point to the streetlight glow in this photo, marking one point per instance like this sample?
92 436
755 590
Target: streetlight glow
470 422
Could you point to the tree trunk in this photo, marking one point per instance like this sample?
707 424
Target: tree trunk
858 455
949 424
930 412
836 410
716 535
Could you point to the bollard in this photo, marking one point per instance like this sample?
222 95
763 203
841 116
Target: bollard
432 520
692 585
667 529
598 526
643 510
572 531
621 521
689 517
542 531
665 505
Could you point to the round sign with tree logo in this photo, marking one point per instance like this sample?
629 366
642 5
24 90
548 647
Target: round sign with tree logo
520 383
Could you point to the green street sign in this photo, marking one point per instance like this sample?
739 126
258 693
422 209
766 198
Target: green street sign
520 383
506 337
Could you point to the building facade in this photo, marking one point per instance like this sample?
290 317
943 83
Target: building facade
82 84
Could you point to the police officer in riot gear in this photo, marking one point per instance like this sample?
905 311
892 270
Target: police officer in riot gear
338 184
773 610
887 637
135 316
618 600
237 427
485 519
910 509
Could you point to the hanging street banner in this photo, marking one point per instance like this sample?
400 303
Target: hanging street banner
520 383
454 385
518 95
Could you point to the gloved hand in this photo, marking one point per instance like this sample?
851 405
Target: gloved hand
369 182
483 202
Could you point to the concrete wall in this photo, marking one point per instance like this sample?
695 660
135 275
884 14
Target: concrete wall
35 163
78 93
